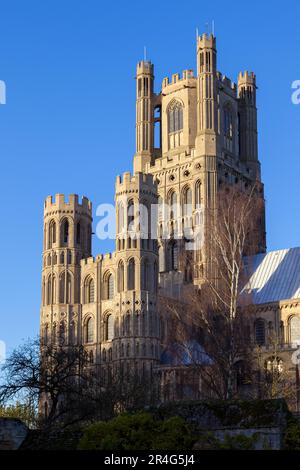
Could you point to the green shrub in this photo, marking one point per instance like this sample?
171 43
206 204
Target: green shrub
291 438
137 432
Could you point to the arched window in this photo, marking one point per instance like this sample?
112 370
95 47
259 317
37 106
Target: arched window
130 215
198 194
110 293
65 288
62 258
295 329
65 231
78 233
121 276
109 328
108 284
52 233
173 256
145 275
161 258
110 354
120 217
175 124
51 290
228 128
160 208
89 290
260 332
131 274
89 330
175 117
173 205
187 202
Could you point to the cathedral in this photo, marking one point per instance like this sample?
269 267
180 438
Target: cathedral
196 135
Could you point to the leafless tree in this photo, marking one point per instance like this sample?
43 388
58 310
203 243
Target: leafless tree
66 388
217 313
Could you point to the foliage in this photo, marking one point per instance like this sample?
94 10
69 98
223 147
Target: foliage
291 439
138 432
25 412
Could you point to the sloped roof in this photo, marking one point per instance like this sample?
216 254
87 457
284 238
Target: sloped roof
274 276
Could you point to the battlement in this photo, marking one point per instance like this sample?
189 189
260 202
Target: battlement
206 41
135 183
87 261
144 67
176 77
246 78
59 202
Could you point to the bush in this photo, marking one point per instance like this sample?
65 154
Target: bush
138 432
291 439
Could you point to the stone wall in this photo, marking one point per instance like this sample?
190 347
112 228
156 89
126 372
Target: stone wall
12 433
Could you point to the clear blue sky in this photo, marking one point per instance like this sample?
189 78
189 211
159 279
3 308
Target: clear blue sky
68 125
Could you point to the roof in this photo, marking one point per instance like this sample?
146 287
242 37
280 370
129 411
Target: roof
274 276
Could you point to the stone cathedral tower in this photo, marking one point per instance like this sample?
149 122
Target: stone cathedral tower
207 129
67 240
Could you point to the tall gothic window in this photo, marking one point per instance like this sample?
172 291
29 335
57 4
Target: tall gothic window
65 288
173 205
89 330
145 275
175 124
175 117
109 327
198 194
52 233
108 284
131 274
51 290
187 202
173 256
260 332
228 128
121 277
120 217
130 215
89 290
65 232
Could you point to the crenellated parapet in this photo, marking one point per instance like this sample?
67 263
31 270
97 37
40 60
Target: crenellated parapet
60 205
137 184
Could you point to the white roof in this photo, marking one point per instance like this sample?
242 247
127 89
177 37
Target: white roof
275 276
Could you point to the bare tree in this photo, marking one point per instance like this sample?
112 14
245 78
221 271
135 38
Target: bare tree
215 314
66 388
